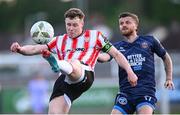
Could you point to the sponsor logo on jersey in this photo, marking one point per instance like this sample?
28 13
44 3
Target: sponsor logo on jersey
136 61
122 49
73 50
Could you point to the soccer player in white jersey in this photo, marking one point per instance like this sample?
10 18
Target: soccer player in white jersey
77 52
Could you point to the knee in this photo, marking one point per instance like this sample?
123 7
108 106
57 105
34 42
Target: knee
145 110
76 65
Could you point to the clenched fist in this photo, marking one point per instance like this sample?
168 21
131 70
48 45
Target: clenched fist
15 47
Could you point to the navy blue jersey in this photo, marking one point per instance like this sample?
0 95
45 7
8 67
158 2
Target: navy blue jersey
140 55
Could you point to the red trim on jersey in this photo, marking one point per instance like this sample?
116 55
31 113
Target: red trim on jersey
98 41
87 34
63 46
94 58
52 44
86 44
95 52
58 52
74 45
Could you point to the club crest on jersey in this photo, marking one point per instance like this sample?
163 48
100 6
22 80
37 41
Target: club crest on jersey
122 100
144 45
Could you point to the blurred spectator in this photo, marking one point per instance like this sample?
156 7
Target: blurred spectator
38 90
97 21
172 41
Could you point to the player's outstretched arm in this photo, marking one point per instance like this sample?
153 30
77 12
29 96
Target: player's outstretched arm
168 69
122 61
27 49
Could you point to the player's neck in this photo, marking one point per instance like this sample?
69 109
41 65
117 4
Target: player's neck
132 38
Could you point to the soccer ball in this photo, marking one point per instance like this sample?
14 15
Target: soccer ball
42 32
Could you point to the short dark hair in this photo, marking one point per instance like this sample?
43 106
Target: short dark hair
74 12
128 14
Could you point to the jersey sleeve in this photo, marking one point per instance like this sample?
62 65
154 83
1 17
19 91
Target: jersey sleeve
106 45
158 48
52 45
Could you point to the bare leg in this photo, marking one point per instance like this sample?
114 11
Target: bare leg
73 68
58 106
77 70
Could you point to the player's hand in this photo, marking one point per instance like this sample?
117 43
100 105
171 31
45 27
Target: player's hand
15 47
169 85
132 78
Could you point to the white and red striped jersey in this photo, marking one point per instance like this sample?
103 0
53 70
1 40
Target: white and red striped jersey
84 48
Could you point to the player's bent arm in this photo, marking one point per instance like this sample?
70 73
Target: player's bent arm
168 66
32 49
28 49
122 61
104 57
119 57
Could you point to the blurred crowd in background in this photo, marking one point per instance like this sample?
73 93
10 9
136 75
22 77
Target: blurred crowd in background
17 16
160 18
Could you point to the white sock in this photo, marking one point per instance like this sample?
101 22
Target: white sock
65 67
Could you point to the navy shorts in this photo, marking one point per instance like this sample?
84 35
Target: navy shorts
128 105
73 91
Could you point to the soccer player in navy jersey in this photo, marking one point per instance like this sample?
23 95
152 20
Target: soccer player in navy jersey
77 52
139 51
